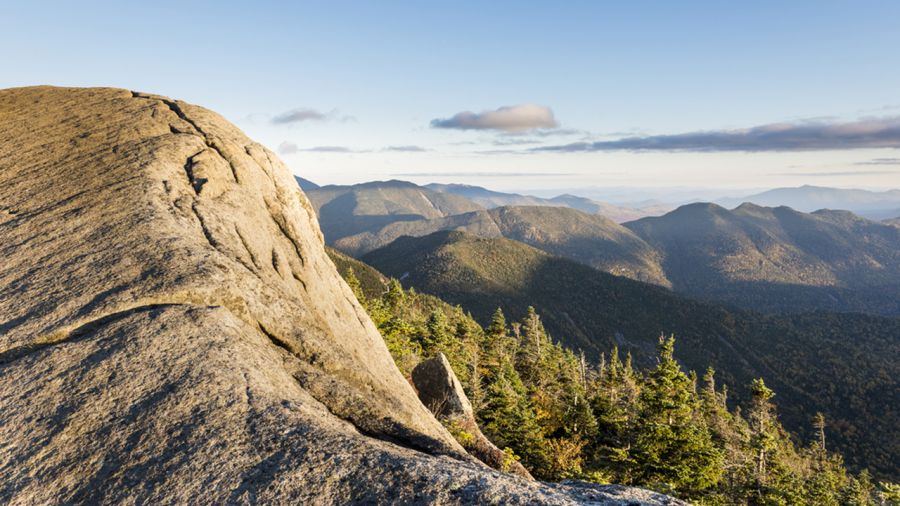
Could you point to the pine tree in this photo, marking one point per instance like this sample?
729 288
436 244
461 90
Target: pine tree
438 335
819 427
614 405
859 490
355 287
509 420
498 346
672 447
394 297
763 440
532 350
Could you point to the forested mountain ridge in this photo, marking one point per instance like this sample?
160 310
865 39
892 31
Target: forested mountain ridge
778 259
566 416
766 259
587 238
840 364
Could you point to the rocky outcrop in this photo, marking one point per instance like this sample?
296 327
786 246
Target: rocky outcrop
442 393
172 331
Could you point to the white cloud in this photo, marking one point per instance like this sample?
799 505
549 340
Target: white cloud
515 118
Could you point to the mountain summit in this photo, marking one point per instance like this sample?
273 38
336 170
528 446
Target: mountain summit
171 329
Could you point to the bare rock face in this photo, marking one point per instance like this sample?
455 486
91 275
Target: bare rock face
172 331
442 393
439 389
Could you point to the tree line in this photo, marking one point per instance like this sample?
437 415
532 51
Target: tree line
662 428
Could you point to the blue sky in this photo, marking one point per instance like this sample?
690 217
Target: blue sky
374 90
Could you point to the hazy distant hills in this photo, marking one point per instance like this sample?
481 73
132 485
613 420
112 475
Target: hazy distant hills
767 259
874 205
778 259
348 210
824 361
490 199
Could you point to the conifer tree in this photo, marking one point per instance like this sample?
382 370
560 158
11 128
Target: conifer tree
532 350
763 441
614 405
509 421
438 336
672 446
819 427
355 287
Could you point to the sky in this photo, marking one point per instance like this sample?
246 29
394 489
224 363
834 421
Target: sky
510 95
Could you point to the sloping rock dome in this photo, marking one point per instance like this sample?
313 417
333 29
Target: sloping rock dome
171 328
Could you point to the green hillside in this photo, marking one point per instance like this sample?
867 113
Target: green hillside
587 238
841 364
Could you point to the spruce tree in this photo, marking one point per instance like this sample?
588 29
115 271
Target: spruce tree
509 420
672 447
438 335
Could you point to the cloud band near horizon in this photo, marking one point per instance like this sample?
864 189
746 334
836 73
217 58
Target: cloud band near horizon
801 136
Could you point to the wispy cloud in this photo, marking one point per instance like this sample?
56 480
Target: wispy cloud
880 161
484 174
333 149
290 148
514 118
406 149
548 132
841 173
514 141
883 132
306 114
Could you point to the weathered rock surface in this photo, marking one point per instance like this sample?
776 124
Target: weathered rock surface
442 393
171 330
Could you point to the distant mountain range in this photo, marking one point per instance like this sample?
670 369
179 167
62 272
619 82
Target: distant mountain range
768 259
490 199
874 205
825 361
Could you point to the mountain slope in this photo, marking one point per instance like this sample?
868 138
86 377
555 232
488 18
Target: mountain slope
173 331
480 223
778 259
590 239
306 184
818 361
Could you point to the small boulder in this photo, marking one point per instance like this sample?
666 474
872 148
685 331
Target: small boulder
441 392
